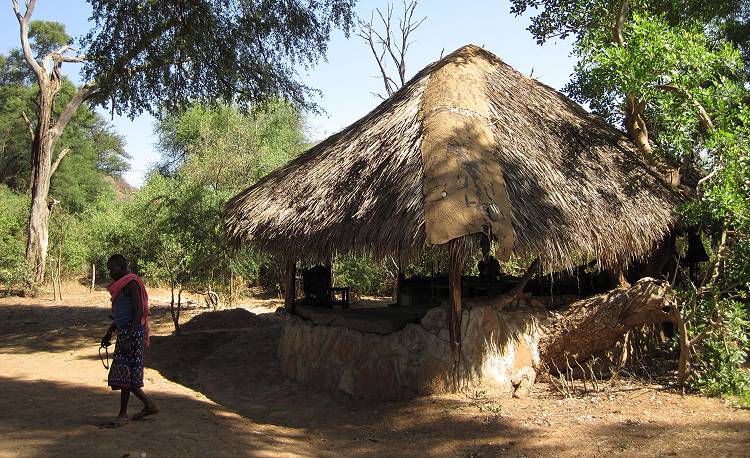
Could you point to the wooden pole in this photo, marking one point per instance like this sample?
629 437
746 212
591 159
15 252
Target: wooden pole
93 278
289 285
231 287
455 266
399 284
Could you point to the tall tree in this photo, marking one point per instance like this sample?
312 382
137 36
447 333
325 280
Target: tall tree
671 72
143 55
602 21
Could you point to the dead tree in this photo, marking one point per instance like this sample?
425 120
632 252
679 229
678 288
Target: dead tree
45 134
594 325
389 45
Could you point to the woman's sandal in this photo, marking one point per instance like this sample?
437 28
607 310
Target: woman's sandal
117 422
145 413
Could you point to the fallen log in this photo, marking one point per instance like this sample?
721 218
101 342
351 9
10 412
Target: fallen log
595 324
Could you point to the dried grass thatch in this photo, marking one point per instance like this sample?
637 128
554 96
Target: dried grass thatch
577 186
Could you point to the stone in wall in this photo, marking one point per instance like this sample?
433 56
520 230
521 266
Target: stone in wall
499 348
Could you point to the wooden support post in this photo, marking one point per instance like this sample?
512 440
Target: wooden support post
93 278
289 285
399 284
455 267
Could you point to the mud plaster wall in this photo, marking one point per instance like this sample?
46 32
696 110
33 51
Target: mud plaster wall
499 350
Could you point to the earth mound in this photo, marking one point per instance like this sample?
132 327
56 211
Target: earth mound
227 319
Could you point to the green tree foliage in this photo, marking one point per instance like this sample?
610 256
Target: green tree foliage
147 55
364 275
47 37
96 151
678 60
577 18
13 209
171 228
668 69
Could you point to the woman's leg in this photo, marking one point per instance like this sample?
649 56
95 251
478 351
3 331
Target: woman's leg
124 398
149 406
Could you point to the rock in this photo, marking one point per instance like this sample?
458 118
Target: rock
498 350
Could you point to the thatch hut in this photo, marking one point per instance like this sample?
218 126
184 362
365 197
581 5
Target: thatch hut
469 146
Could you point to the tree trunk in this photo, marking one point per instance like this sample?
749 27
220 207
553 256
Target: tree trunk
596 324
175 313
48 73
636 125
37 243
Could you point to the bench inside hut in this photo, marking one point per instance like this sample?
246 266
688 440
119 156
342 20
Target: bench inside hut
318 289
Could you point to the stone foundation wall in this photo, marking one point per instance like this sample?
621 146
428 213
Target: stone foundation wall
499 349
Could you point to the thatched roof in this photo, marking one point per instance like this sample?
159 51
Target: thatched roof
468 145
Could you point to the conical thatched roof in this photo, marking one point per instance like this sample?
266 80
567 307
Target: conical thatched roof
469 145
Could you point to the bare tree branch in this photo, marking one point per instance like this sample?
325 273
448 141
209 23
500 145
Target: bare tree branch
29 125
70 59
366 33
23 22
83 94
384 43
708 177
57 161
407 27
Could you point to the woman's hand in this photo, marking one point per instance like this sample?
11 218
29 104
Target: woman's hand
107 339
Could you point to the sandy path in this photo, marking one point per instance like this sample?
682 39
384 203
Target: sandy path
221 393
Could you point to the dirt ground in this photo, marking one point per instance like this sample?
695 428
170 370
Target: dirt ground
221 394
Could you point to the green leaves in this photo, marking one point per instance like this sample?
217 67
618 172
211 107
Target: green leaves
225 149
173 227
96 151
47 36
13 219
680 71
655 55
148 56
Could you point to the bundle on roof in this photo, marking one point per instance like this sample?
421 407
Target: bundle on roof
469 145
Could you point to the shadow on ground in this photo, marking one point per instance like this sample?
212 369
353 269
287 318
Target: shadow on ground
237 402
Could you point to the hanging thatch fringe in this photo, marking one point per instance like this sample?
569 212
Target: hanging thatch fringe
577 187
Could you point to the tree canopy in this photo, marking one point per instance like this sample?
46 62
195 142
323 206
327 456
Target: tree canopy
671 72
148 56
97 150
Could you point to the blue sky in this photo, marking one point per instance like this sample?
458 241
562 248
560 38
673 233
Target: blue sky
349 76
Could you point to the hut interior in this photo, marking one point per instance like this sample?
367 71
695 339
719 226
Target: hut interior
414 296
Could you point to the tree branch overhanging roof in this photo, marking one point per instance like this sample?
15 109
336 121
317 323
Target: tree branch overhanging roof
469 145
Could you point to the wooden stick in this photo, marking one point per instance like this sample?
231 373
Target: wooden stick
289 285
455 266
518 288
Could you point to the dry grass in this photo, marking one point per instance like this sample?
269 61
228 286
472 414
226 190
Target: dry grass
577 187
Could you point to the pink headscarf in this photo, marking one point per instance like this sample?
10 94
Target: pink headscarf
116 286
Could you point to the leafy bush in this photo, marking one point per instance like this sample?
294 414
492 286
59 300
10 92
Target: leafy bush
716 369
364 276
13 219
